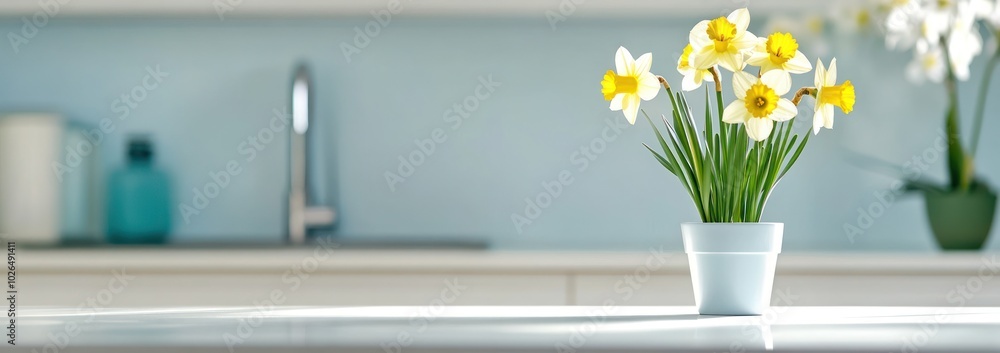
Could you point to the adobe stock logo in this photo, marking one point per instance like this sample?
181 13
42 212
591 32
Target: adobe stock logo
884 199
582 157
456 117
93 138
224 6
563 12
381 19
40 19
220 179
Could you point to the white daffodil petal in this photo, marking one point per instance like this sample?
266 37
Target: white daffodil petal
828 116
831 73
745 41
759 129
624 63
616 102
730 62
779 80
759 58
740 18
761 46
820 79
742 81
818 120
649 86
704 75
703 58
735 113
785 110
630 106
798 64
690 83
643 63
698 37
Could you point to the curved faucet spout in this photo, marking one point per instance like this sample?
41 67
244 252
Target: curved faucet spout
301 216
300 100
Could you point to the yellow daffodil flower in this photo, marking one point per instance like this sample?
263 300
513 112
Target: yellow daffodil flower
758 103
630 82
830 94
723 41
692 77
780 51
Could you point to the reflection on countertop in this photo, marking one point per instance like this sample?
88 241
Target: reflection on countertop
608 328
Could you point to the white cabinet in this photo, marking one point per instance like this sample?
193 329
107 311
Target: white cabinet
623 290
108 278
219 289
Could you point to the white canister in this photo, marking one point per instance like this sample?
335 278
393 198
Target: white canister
48 190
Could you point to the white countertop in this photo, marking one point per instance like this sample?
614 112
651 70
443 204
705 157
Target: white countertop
512 329
255 260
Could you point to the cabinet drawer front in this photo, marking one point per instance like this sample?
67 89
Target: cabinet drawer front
166 290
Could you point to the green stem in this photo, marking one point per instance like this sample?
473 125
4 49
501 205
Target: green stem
958 164
981 103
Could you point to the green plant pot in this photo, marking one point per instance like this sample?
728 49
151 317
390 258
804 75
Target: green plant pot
961 221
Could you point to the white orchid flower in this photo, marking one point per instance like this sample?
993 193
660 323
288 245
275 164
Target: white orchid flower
903 23
928 64
994 16
938 18
964 41
982 9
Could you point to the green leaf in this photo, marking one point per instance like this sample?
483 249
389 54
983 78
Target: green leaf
663 161
728 176
683 171
795 156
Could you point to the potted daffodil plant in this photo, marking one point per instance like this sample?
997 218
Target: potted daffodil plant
945 38
730 157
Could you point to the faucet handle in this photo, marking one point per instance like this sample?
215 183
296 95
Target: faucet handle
319 216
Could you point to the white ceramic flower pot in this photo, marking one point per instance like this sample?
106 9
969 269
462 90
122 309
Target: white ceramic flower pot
732 265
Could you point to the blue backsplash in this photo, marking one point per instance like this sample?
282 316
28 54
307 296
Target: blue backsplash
494 111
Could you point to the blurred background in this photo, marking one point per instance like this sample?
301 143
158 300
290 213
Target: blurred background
453 122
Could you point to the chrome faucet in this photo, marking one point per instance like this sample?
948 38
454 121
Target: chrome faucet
302 216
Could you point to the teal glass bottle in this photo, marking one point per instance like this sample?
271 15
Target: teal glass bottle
139 198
